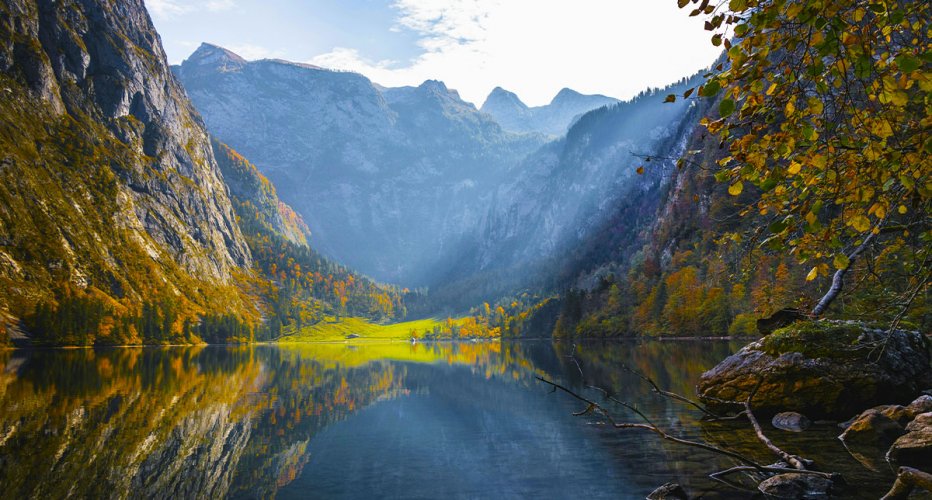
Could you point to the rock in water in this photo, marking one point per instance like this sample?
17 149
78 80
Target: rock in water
914 448
868 436
821 369
796 486
669 491
791 421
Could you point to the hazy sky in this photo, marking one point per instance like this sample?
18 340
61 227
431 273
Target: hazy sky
531 47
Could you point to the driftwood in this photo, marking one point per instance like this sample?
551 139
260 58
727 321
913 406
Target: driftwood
908 479
798 465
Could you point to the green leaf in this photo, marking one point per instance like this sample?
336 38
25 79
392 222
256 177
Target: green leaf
907 63
738 5
726 108
710 88
777 227
841 261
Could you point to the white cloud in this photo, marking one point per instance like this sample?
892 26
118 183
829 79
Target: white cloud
171 8
536 47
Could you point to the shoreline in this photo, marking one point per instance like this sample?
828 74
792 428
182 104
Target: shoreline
362 341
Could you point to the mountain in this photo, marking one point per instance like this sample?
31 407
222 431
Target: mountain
552 119
560 197
121 222
386 179
110 191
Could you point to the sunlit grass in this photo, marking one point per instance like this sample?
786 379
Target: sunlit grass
359 330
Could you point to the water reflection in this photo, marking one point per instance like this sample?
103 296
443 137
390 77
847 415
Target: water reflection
330 420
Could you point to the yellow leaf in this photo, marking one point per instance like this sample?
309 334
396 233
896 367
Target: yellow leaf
813 274
794 168
790 108
736 188
819 161
860 223
902 209
771 89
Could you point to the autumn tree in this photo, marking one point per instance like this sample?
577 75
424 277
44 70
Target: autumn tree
824 110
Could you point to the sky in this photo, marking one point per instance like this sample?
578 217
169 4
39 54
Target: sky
531 47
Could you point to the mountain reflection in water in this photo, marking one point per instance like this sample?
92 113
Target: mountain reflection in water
382 420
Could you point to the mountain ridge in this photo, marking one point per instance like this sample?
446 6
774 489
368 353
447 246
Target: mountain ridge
553 119
385 177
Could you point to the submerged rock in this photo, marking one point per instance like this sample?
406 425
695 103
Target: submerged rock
796 486
821 369
669 491
790 421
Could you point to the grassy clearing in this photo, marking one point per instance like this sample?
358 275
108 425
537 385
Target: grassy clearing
333 330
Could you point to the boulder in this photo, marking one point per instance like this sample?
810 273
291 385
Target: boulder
914 448
922 404
821 369
922 421
873 427
796 486
790 421
669 491
869 435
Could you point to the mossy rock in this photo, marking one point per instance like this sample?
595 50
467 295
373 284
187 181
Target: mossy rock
821 369
818 339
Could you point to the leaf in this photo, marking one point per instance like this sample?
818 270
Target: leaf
737 5
726 107
794 167
710 88
640 170
736 188
907 63
790 109
813 274
841 261
682 3
670 98
860 223
777 227
688 92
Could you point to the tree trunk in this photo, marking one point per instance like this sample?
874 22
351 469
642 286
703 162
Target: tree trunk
838 280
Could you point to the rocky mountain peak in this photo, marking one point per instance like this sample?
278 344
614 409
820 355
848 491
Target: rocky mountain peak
565 94
501 99
219 58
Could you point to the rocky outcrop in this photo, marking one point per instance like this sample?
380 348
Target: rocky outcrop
822 369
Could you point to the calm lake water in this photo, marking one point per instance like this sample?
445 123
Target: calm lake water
391 420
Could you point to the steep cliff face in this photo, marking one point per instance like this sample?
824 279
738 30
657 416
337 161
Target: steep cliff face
560 204
552 119
385 178
107 178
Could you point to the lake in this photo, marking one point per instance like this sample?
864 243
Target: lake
444 420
